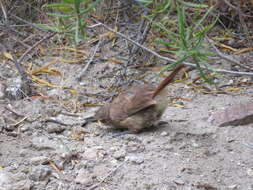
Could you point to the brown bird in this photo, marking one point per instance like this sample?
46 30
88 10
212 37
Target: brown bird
137 108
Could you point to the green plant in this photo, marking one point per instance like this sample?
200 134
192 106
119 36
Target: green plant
70 15
187 39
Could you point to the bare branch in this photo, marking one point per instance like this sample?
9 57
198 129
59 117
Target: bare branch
169 59
225 57
89 62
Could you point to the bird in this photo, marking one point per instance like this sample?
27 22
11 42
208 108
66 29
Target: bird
139 107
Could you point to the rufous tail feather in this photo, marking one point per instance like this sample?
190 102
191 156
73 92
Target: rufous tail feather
167 80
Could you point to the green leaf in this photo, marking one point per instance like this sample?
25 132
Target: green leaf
144 1
61 15
164 6
172 35
55 5
181 26
203 18
181 60
202 74
189 4
69 1
167 44
67 9
92 6
50 28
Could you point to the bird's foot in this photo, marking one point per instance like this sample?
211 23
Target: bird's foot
119 133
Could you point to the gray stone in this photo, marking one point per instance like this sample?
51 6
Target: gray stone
55 128
119 154
179 181
2 89
84 177
164 133
239 114
40 173
9 181
39 160
43 142
135 159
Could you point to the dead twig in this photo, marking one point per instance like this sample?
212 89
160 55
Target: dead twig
9 108
4 12
28 23
34 46
82 73
18 122
169 59
226 57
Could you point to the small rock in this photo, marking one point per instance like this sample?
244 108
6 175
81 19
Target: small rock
39 160
178 181
84 177
5 178
2 124
87 164
195 145
9 181
232 187
23 152
2 89
239 114
24 128
55 128
43 142
57 185
119 154
245 80
169 148
90 154
250 171
135 159
164 133
231 81
16 88
134 147
40 173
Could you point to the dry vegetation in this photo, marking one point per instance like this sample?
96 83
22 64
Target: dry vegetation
56 71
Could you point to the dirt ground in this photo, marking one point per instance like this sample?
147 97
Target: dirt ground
44 146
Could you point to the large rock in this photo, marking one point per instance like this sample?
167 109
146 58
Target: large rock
9 181
239 114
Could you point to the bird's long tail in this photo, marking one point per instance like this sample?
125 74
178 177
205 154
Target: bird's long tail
167 80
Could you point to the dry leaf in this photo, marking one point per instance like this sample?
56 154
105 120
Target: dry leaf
8 55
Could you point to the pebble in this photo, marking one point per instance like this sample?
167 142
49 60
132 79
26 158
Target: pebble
39 160
43 142
232 187
119 154
15 88
2 88
179 181
84 177
164 133
135 159
55 128
24 128
40 173
23 152
134 147
250 171
2 124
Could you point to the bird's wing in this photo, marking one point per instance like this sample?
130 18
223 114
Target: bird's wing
132 101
